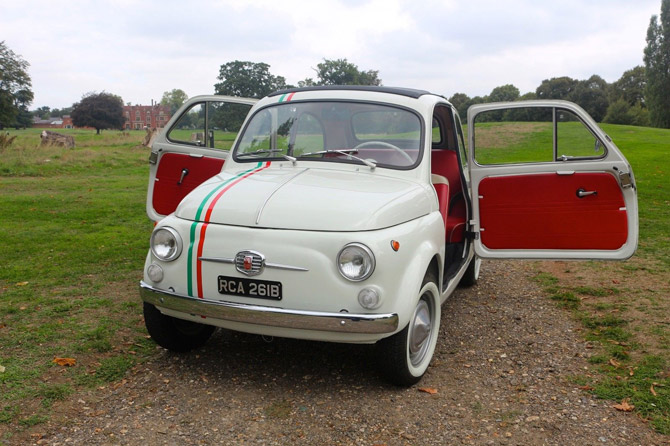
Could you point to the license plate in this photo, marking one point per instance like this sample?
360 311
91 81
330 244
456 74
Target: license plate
259 289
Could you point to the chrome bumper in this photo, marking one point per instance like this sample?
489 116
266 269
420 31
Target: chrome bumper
271 316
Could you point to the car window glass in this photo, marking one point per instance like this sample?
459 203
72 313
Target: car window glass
574 139
385 124
213 124
309 135
224 121
333 131
190 128
520 135
533 135
436 132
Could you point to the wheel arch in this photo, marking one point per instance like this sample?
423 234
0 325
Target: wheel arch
428 258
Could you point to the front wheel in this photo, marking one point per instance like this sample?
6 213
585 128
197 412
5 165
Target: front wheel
175 334
405 356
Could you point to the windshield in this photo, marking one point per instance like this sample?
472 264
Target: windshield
349 132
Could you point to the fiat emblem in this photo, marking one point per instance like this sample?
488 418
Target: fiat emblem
249 263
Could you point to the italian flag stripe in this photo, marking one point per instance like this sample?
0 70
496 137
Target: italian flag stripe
286 97
219 191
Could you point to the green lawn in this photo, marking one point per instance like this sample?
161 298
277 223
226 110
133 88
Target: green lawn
74 236
648 151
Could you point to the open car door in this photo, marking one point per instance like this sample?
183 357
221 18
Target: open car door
192 148
548 183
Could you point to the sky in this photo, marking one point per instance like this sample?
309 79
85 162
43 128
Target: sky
141 49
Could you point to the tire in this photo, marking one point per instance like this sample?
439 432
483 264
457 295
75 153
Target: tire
404 357
472 273
174 334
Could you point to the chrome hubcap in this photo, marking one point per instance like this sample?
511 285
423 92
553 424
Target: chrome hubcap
419 332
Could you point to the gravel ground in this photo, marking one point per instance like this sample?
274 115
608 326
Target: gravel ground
501 373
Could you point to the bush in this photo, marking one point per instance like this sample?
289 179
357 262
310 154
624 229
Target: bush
6 141
621 112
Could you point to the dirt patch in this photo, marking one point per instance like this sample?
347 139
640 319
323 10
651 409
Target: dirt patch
501 136
632 290
502 374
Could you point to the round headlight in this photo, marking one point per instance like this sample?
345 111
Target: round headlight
356 262
166 244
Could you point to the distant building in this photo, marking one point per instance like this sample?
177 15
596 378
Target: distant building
62 122
48 123
139 117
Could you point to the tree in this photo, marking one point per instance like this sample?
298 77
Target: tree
504 93
556 88
630 87
98 110
248 79
525 114
23 118
342 72
15 83
461 101
621 112
62 112
174 99
657 68
42 112
308 82
591 95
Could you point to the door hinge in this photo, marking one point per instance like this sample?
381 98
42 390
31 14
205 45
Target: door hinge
625 179
153 158
472 235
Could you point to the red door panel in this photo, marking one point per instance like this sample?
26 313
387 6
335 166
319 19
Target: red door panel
168 191
543 211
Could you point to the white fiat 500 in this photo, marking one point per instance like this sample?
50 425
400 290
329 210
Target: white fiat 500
349 214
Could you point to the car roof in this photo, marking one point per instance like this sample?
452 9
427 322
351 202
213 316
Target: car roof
409 92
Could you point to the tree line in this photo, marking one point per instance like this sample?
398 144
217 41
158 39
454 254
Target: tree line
621 102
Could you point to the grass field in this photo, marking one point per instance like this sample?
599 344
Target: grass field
74 236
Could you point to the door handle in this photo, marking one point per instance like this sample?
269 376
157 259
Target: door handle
581 193
184 172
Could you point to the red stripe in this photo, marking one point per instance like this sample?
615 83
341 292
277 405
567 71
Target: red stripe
290 96
203 229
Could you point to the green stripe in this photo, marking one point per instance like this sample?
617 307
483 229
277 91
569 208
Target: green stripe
189 262
282 97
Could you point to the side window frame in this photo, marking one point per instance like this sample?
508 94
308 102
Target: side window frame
563 158
209 141
462 148
556 158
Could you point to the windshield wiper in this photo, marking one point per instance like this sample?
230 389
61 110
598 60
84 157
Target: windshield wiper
268 152
346 152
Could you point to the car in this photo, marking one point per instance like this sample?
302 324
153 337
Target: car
350 214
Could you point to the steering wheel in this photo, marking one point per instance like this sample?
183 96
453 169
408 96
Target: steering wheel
385 144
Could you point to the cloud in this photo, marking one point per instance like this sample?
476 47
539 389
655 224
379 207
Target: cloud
138 50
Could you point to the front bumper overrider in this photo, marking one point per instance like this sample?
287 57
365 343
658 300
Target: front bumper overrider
270 316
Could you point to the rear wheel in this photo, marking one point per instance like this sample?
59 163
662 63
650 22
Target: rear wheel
175 334
405 356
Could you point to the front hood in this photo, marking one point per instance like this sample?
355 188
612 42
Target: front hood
306 199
